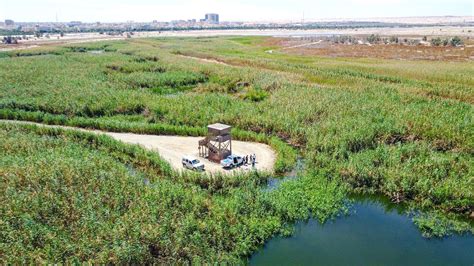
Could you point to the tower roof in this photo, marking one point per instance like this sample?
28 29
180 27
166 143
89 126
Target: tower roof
218 126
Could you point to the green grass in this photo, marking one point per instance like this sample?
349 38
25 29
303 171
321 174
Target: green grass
71 196
404 129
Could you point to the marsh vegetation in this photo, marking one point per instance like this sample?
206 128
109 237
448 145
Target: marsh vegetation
403 129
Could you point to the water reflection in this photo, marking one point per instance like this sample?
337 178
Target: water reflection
375 233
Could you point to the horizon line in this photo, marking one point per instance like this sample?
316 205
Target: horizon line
297 20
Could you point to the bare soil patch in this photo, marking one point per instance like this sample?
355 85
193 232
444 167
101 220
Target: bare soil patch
385 51
172 149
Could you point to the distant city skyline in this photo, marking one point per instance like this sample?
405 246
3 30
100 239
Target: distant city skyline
244 10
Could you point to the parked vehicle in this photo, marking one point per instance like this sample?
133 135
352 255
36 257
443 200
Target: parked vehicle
232 161
190 162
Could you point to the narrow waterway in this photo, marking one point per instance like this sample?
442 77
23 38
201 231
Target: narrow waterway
376 232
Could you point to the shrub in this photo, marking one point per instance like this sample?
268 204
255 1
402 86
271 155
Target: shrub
456 41
255 94
436 41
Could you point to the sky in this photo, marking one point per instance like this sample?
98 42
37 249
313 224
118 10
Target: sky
229 10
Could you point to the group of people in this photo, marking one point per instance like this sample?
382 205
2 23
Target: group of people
250 159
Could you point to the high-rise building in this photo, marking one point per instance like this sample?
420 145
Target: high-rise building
212 18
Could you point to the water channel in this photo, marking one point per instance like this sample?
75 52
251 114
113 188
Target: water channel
375 232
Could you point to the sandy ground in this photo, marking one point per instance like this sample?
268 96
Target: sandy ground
172 148
327 48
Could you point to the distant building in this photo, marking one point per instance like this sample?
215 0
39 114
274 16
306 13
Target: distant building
29 28
44 28
74 23
212 18
9 22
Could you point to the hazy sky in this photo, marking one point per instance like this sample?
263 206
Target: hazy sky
229 10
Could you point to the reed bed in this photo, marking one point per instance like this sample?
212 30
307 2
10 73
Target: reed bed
400 128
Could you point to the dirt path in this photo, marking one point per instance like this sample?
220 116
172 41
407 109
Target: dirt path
205 60
301 45
172 148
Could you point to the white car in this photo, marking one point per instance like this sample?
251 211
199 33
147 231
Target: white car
232 161
190 162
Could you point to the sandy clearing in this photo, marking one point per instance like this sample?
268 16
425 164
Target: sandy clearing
172 148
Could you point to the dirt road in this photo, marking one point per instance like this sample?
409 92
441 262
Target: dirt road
172 148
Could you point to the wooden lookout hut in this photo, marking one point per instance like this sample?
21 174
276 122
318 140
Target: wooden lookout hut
218 143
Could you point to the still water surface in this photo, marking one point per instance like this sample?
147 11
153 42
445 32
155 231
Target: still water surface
375 233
